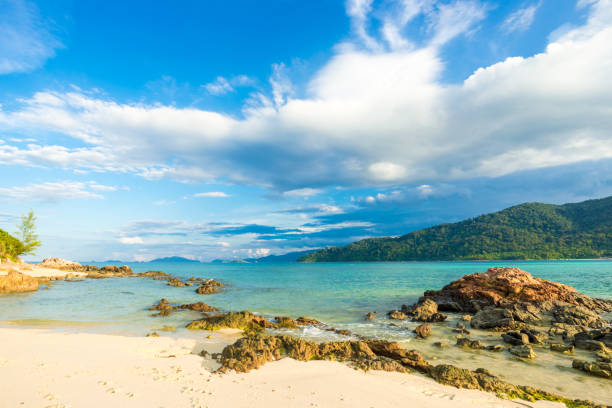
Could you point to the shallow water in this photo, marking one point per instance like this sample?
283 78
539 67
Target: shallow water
336 293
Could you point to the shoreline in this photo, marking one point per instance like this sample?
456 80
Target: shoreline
95 370
50 331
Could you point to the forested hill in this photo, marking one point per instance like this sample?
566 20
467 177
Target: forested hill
525 231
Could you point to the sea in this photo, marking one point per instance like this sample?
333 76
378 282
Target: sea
338 294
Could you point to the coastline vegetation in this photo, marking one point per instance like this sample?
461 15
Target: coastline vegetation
526 231
27 242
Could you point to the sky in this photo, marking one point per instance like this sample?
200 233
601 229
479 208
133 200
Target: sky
226 129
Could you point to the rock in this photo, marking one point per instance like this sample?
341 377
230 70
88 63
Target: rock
480 379
370 316
245 321
524 351
163 307
440 344
307 321
153 274
252 352
199 307
577 316
176 282
286 322
460 328
469 343
58 263
567 331
395 351
466 318
425 310
607 339
16 282
562 348
423 331
515 338
397 315
154 334
207 289
535 337
492 317
593 345
495 348
598 369
501 286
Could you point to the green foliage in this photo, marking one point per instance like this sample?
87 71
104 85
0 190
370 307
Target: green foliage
10 247
526 231
27 233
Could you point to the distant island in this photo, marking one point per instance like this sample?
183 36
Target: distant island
526 231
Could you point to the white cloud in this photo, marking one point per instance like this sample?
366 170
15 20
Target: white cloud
25 40
366 117
222 86
454 19
521 19
131 240
303 192
224 244
212 194
55 191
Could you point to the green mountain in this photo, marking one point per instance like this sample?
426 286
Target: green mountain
10 247
525 231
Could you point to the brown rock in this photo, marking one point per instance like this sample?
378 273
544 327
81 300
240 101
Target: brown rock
16 282
397 315
502 286
423 331
207 289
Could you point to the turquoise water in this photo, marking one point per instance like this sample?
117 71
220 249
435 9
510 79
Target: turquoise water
337 293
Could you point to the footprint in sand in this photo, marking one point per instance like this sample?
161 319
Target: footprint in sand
130 394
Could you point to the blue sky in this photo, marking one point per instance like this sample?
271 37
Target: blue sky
231 129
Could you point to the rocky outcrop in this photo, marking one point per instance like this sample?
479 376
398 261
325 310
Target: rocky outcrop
370 316
59 263
16 282
254 351
501 286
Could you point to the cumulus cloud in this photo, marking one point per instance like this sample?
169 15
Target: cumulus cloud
25 39
521 19
367 117
55 191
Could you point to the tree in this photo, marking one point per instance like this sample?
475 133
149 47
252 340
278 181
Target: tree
27 233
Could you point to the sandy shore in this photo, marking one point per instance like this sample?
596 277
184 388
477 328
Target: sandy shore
35 270
41 368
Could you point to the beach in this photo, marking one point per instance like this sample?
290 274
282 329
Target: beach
39 368
100 342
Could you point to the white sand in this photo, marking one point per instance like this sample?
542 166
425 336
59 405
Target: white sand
49 369
35 270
